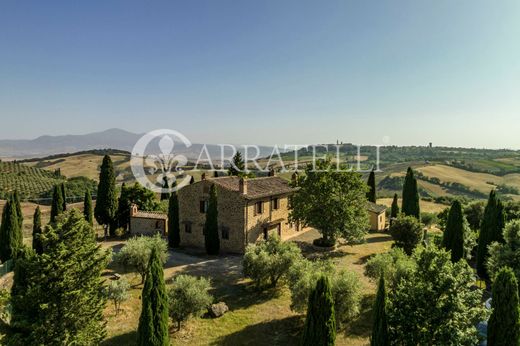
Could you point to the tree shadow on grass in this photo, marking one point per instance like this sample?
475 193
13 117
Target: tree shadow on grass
362 325
284 332
243 295
127 339
379 239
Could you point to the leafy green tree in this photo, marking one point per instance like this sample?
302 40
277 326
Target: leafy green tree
57 203
394 211
237 167
453 237
371 194
504 323
440 297
117 292
505 254
380 325
153 322
135 255
87 208
63 196
57 298
211 236
137 194
492 224
345 286
165 195
407 232
106 201
393 266
188 296
174 230
410 202
474 212
269 261
320 324
10 231
37 231
333 202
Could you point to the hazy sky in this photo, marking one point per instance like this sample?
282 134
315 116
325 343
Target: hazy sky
258 71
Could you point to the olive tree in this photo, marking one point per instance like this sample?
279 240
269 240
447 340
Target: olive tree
393 266
188 296
117 292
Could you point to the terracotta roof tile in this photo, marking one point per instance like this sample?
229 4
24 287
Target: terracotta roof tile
375 208
256 187
150 215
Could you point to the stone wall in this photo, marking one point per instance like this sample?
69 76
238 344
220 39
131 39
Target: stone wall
147 226
377 221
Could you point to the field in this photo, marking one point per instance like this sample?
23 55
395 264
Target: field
29 181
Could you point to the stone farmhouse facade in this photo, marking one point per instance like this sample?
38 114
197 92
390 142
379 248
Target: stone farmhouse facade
377 216
147 222
248 210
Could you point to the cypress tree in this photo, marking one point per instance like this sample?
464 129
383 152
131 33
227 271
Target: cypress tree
65 302
490 230
57 203
380 324
320 323
174 232
153 322
504 324
371 194
211 236
410 205
192 180
237 166
395 208
37 231
18 208
64 196
87 208
165 195
453 237
10 232
106 201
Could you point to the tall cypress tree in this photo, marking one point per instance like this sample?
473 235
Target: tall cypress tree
106 201
394 211
153 322
57 203
371 194
490 230
192 180
165 195
87 208
174 233
10 232
410 205
65 302
18 208
37 231
504 324
453 237
64 196
320 323
237 166
211 236
380 324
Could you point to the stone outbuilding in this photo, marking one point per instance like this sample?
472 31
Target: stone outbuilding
377 216
248 210
147 222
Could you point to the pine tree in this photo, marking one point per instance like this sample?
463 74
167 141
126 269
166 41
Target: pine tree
371 194
65 302
504 323
18 208
11 237
165 195
153 322
394 212
237 167
106 201
380 324
64 196
87 208
490 231
174 232
37 231
453 237
57 203
320 323
410 202
211 236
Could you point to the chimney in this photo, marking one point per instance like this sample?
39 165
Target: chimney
271 172
242 186
133 209
203 176
294 178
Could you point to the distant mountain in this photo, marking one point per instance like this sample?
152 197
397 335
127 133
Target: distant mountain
111 138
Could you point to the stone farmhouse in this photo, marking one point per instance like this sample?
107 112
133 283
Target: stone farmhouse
147 222
377 215
248 210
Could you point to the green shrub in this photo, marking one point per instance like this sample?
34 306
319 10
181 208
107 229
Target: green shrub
393 265
188 296
407 232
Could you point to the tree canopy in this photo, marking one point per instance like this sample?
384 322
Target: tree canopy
106 201
410 202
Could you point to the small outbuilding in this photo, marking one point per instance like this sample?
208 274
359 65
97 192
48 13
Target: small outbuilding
147 222
377 216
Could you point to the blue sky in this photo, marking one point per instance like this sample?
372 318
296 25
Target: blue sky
265 72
